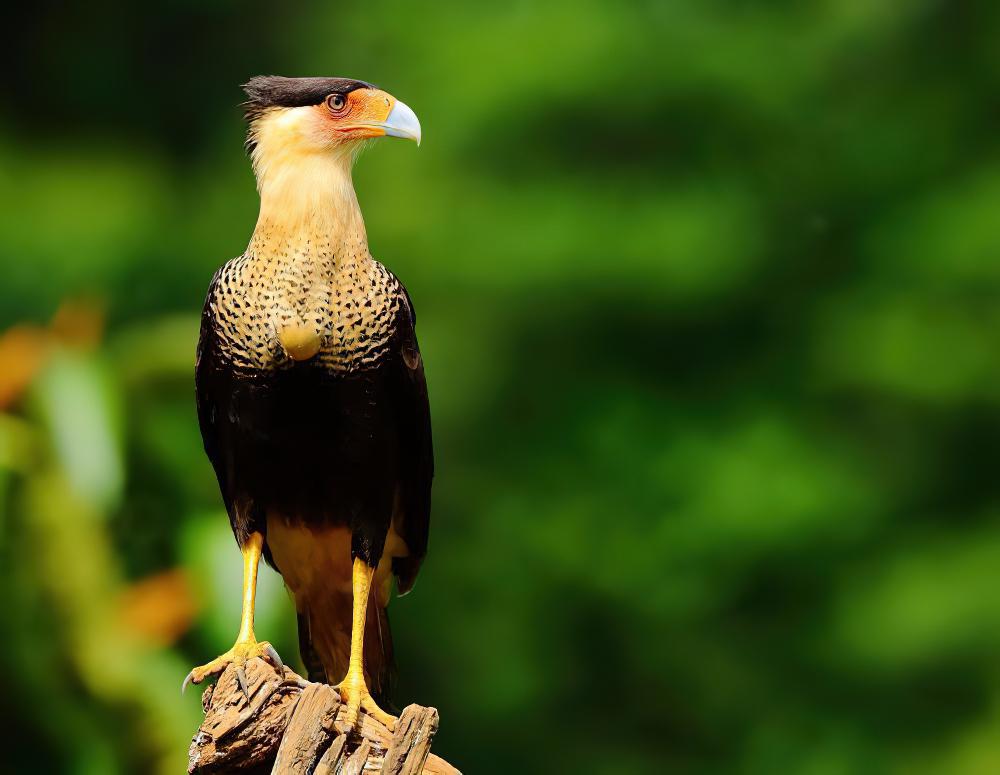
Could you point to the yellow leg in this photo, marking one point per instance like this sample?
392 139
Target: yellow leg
246 646
353 688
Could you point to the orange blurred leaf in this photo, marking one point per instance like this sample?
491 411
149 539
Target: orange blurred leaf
23 350
159 608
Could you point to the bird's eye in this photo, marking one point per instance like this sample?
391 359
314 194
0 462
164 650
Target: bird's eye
336 102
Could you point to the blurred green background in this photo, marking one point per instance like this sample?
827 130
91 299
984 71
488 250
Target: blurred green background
708 298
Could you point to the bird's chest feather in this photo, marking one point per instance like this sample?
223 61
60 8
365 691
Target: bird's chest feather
347 305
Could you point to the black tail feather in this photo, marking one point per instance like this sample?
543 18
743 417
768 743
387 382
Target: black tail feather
310 658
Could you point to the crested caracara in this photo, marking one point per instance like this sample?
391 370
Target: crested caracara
311 393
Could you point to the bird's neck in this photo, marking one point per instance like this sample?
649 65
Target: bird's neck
308 209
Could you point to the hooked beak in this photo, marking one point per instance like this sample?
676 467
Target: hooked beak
402 122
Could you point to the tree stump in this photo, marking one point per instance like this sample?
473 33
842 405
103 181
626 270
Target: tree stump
290 725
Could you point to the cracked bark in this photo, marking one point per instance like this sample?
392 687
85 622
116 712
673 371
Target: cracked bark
290 725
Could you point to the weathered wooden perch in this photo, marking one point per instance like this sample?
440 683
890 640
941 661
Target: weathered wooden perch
292 726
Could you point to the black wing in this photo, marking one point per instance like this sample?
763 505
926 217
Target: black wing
209 390
412 519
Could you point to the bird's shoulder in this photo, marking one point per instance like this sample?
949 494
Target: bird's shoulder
223 290
207 317
406 317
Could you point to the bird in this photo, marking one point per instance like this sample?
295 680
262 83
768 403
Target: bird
311 394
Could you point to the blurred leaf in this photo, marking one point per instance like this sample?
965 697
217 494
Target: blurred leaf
78 400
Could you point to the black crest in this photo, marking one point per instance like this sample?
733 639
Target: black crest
276 91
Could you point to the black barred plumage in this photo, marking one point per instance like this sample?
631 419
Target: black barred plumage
354 313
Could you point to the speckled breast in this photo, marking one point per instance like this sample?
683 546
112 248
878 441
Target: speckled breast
349 304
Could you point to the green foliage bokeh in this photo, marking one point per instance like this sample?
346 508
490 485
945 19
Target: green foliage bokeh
707 294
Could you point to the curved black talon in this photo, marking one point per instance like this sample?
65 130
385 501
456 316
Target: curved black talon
272 654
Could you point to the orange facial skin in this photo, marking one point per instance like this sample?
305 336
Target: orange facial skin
359 118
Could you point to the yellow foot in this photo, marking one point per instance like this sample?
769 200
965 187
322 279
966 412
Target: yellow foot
241 652
355 693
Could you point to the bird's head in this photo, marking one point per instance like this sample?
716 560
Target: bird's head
307 119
